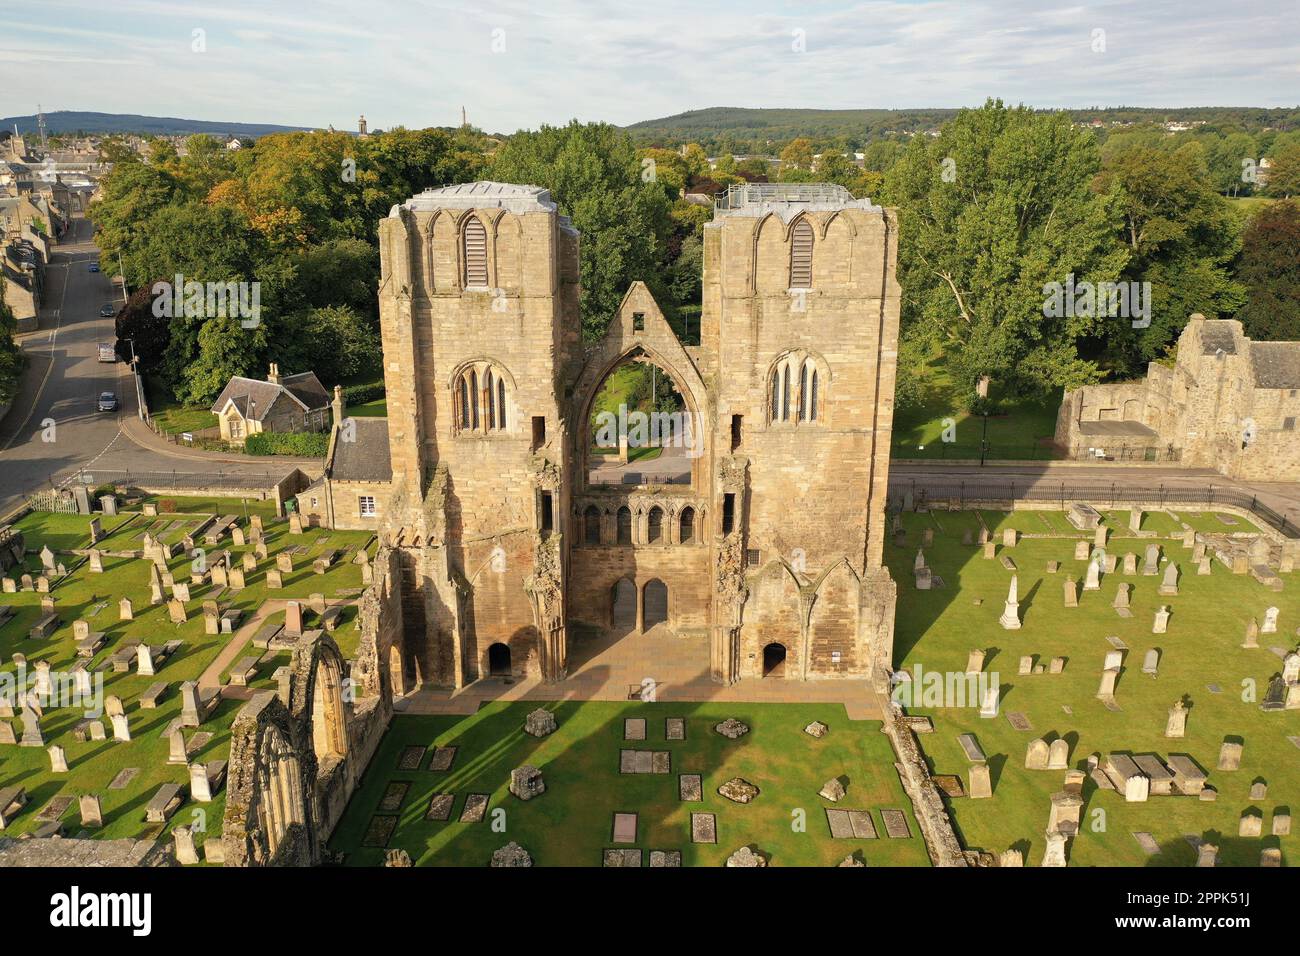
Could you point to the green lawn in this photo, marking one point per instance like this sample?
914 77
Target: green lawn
94 597
572 821
376 409
1018 428
937 629
170 416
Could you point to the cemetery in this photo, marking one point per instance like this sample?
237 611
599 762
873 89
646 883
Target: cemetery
704 793
146 611
1160 727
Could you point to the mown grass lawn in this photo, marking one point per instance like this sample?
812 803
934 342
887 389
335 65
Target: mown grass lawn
94 598
571 823
937 629
1018 428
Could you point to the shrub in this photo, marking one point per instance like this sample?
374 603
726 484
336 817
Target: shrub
297 444
365 392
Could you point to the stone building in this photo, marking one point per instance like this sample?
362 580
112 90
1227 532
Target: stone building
288 403
765 538
1227 403
353 492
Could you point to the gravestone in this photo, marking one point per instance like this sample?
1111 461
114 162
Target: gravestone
1151 663
274 580
236 579
176 747
250 562
1081 550
1099 537
181 591
1151 564
1135 520
1092 580
91 814
540 722
1121 602
1251 824
1026 665
1161 624
981 783
1054 851
200 786
1130 563
975 662
1106 691
1036 754
293 619
1270 621
526 782
1176 725
1009 538
989 705
990 550
125 612
1169 584
1230 755
1010 619
96 562
1057 666
121 728
58 759
144 659
184 842
1070 593
1058 754
176 611
1252 634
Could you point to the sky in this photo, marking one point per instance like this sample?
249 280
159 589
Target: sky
521 63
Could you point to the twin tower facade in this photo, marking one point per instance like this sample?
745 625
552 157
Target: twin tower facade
765 541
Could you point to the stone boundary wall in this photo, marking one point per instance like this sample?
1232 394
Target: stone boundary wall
927 805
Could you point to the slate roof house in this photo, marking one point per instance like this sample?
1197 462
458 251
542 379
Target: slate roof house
289 403
356 488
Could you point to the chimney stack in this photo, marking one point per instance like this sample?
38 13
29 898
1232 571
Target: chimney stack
274 376
337 405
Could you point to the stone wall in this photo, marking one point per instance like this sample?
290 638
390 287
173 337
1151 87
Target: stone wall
927 804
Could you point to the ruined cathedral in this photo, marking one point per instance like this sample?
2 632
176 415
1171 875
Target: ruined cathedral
762 536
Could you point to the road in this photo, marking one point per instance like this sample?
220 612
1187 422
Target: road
53 428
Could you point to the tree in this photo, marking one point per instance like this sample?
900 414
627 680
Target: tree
1284 173
992 211
594 175
798 154
130 195
1181 238
12 360
1270 271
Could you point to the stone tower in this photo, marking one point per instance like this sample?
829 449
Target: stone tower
758 543
478 310
800 334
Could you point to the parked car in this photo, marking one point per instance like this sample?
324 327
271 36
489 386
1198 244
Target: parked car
108 311
94 267
107 401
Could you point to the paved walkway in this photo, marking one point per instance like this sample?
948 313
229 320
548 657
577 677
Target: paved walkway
613 668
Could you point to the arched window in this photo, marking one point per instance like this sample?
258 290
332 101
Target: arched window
475 251
801 249
688 525
785 392
655 530
591 524
803 394
776 395
473 404
490 396
501 403
462 401
812 404
624 525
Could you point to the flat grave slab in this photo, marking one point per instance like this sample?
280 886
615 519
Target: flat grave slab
644 761
665 858
380 830
1148 843
123 778
634 728
675 728
895 824
442 759
622 857
704 828
950 784
624 828
475 809
411 757
841 826
56 808
393 796
440 806
1018 720
690 787
1116 643
863 826
971 747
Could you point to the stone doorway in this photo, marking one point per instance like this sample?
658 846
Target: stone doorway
656 603
498 660
774 660
624 614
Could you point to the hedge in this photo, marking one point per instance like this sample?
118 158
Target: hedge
297 444
365 392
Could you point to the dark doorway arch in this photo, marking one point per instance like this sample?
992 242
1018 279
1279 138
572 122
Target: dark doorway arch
591 524
656 603
624 525
774 660
688 525
655 525
623 618
499 660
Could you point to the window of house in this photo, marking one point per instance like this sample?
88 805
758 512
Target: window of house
688 525
801 249
475 250
366 505
1288 424
736 423
236 428
638 321
539 431
753 557
728 512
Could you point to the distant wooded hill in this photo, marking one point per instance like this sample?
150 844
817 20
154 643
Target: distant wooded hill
736 129
76 121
